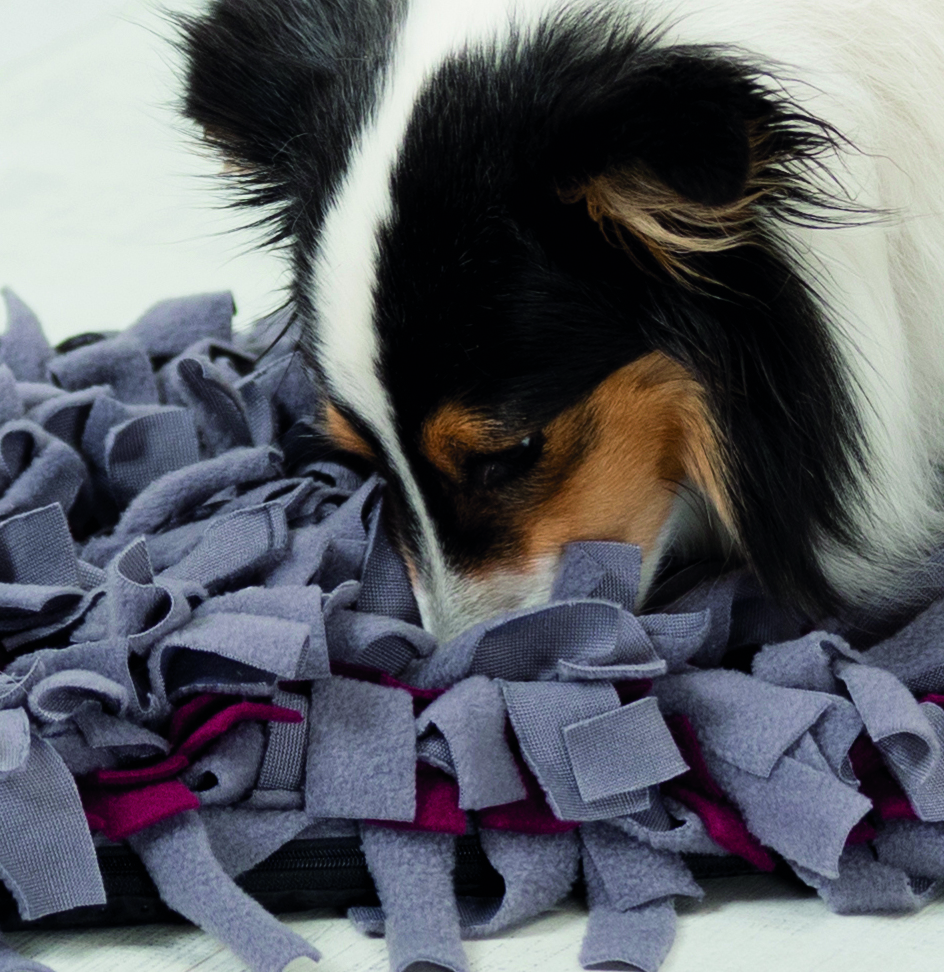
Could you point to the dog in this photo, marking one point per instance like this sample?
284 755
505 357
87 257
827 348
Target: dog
668 273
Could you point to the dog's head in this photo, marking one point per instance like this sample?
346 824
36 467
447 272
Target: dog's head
543 282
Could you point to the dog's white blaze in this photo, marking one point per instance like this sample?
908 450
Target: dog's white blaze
343 280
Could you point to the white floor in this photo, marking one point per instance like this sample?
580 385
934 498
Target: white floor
105 207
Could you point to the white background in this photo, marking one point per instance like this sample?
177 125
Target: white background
106 207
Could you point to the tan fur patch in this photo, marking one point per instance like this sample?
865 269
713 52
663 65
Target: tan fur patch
344 435
651 430
454 432
610 468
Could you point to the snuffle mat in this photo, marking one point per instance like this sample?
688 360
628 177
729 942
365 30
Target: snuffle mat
210 649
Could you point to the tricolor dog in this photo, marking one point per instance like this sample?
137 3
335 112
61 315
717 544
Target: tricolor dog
669 273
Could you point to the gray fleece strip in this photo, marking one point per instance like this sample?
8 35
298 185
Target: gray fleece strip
178 857
413 874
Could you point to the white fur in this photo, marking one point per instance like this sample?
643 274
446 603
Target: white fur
874 69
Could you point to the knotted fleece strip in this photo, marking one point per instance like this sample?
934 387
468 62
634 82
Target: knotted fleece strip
210 647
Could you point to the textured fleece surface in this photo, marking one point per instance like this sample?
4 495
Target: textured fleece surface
180 860
210 646
418 914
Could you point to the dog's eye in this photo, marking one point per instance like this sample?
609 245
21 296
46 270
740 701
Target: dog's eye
493 469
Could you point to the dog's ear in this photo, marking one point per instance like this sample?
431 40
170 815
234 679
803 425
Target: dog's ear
247 88
681 154
278 87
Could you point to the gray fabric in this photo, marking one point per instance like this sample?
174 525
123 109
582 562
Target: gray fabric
722 703
120 736
39 469
834 734
289 383
178 491
632 872
108 658
60 695
915 847
171 326
31 394
910 735
540 713
258 409
180 861
301 604
105 413
146 447
36 548
135 606
310 545
227 771
219 408
47 859
11 400
66 415
283 768
259 650
625 749
118 361
915 654
376 641
607 571
227 359
243 836
14 741
802 813
24 347
805 663
432 748
569 638
865 886
361 752
667 825
413 875
385 587
639 939
746 728
234 546
717 596
290 494
89 577
538 871
471 717
72 747
34 606
677 637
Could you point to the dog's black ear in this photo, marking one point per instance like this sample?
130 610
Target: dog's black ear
682 117
682 151
248 88
278 87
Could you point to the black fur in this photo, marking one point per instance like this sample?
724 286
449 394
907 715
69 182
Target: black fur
280 87
494 292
